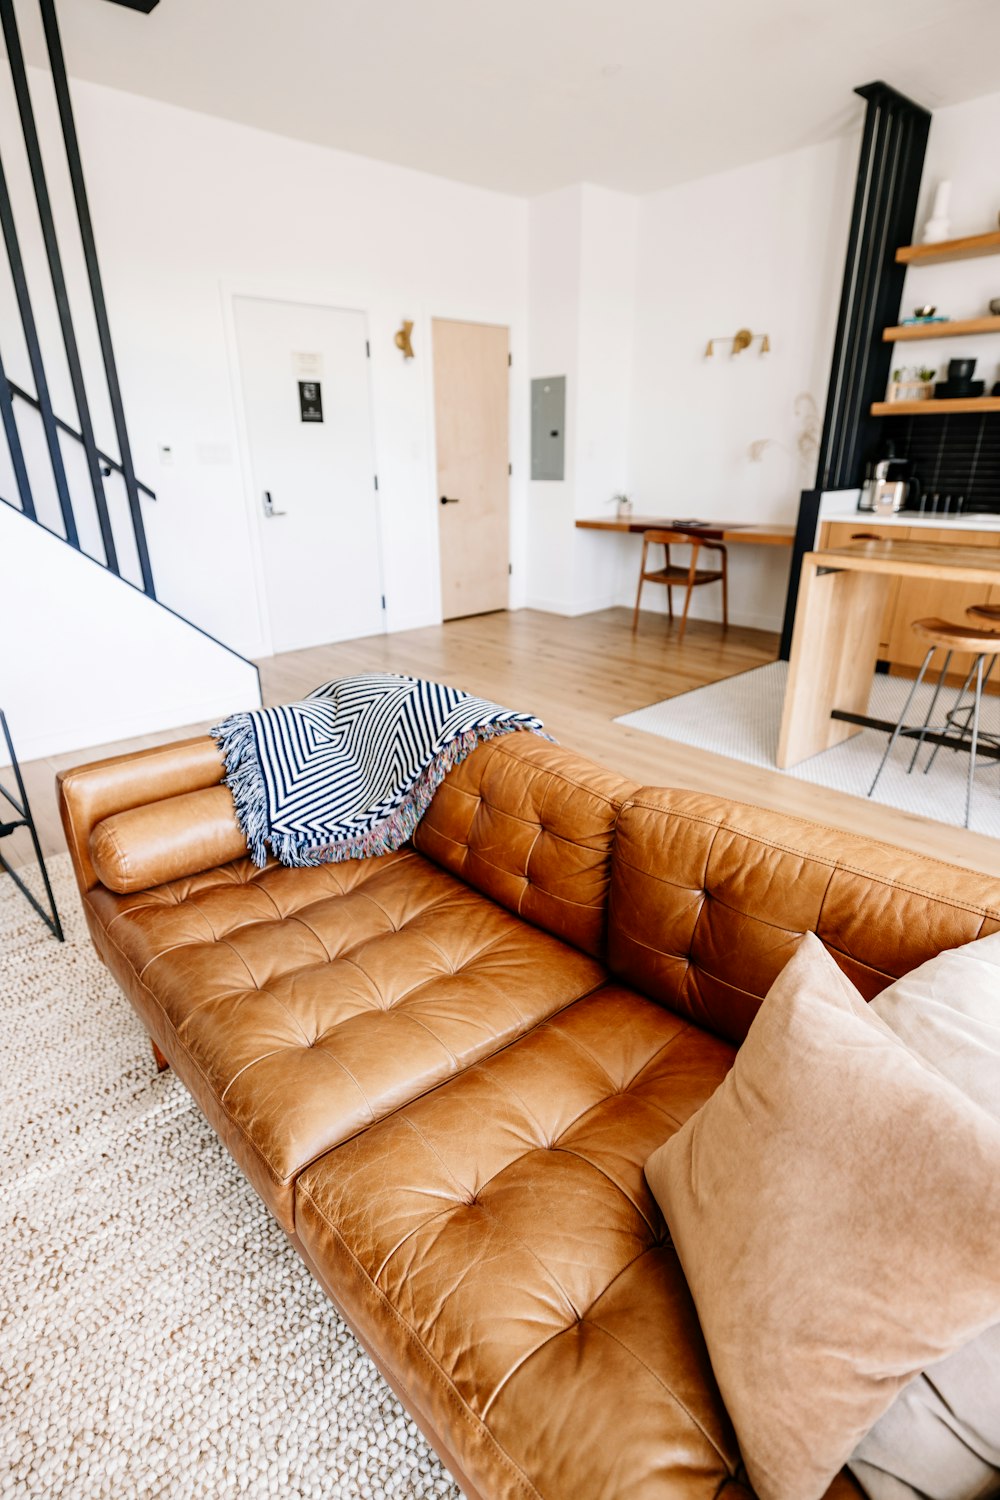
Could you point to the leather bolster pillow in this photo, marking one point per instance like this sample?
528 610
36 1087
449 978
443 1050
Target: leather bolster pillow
167 840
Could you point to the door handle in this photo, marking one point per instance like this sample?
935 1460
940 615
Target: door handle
269 509
450 500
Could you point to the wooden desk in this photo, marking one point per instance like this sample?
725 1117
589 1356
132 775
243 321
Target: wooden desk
712 531
835 644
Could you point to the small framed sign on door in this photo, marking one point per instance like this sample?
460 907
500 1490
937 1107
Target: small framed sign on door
310 401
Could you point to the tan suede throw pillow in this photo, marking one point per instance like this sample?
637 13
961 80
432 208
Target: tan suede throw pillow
836 1208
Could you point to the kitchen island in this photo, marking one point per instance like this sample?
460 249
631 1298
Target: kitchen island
843 597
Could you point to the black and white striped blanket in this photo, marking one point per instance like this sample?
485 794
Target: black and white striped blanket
350 770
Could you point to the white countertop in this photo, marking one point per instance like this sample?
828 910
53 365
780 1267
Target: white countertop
842 505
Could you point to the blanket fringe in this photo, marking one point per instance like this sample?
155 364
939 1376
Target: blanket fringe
244 778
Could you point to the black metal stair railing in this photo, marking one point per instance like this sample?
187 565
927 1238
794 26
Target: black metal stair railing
99 464
108 464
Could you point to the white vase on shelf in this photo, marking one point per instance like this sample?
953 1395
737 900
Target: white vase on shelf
938 226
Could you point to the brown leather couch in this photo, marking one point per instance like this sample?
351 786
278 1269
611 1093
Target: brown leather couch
443 1069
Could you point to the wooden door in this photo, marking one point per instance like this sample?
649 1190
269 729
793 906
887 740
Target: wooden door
920 599
472 426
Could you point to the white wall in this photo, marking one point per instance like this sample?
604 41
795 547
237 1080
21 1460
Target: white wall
581 309
190 209
70 679
762 247
962 148
555 227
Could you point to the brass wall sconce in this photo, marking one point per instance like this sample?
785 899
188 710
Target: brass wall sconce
402 340
741 339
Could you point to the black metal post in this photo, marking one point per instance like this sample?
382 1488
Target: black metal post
14 445
885 206
22 806
61 85
15 57
35 360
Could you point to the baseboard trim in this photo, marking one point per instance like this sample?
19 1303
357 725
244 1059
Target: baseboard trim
560 607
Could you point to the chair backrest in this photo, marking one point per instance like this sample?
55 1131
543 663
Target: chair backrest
673 538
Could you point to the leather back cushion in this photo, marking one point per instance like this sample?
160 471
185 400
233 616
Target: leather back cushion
530 825
709 900
166 840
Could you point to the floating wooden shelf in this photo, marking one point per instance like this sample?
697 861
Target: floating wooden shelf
941 408
957 328
964 249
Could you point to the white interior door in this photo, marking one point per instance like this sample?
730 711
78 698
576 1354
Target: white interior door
306 394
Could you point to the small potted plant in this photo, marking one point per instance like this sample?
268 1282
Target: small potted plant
912 383
622 504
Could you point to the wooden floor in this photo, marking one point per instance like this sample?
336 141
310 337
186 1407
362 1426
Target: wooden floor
577 675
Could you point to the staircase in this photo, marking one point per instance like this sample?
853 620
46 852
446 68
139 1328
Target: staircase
89 654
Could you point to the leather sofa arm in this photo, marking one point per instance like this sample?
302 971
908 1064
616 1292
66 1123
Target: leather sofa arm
92 793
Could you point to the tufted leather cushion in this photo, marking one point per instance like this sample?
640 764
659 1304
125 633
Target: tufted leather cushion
166 840
300 1005
530 825
497 1244
709 900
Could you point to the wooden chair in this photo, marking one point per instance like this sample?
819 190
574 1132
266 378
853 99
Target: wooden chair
674 576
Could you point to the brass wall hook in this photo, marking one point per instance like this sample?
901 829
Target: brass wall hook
402 339
741 339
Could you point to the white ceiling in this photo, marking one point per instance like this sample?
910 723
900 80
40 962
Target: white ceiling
528 95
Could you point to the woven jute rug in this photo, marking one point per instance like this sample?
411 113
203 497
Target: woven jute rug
158 1336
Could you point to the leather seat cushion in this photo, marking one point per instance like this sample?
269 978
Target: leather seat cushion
497 1243
308 1003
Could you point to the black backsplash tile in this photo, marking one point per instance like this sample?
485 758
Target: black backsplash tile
951 455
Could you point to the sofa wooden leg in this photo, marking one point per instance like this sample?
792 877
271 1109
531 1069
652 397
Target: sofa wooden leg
158 1057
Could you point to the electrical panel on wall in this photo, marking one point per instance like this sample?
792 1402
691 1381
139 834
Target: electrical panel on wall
548 427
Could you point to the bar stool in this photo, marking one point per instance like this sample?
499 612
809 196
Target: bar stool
941 635
974 612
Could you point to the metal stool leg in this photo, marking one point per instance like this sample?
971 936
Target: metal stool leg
902 718
958 709
975 735
930 713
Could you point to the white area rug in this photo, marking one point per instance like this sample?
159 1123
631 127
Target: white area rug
741 716
158 1335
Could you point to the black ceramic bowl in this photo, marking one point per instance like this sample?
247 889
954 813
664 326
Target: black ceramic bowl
961 369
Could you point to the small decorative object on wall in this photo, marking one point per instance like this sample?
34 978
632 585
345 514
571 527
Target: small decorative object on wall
402 339
912 383
310 401
806 439
740 340
938 226
995 306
